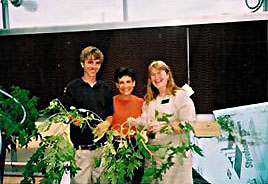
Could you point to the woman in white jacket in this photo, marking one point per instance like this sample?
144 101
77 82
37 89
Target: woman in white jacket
164 96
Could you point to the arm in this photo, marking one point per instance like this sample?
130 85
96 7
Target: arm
186 111
184 108
105 125
109 119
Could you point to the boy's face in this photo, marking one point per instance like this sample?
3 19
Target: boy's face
91 66
125 85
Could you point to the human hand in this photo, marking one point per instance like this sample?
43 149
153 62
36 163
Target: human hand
155 126
131 122
101 128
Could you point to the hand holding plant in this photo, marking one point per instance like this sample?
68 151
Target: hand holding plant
101 128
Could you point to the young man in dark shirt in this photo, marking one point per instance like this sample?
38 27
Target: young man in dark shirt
88 93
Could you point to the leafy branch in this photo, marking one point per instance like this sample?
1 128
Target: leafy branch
55 154
12 113
120 161
227 124
52 158
161 162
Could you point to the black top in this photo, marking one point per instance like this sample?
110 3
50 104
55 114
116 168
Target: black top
97 99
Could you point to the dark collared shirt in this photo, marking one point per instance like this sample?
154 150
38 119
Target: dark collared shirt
97 99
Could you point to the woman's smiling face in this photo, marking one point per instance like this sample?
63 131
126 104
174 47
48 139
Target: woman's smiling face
125 85
159 78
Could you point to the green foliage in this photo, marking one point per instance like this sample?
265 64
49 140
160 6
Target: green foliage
62 115
121 161
227 124
120 157
161 158
53 157
55 153
164 118
11 115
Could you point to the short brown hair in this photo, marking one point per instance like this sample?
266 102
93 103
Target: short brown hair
91 50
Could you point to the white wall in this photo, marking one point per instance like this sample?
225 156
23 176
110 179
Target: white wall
184 8
76 12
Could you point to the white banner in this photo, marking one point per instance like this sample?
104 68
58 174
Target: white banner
243 161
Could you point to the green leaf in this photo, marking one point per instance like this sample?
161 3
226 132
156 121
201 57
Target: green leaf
11 115
198 150
156 114
154 147
97 162
149 172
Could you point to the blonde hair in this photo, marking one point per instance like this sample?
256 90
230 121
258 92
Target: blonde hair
152 91
91 50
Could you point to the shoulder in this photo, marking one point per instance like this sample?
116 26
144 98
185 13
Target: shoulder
116 97
181 93
151 105
102 84
138 99
181 96
182 99
72 86
74 83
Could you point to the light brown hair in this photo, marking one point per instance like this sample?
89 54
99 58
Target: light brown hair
91 50
152 91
